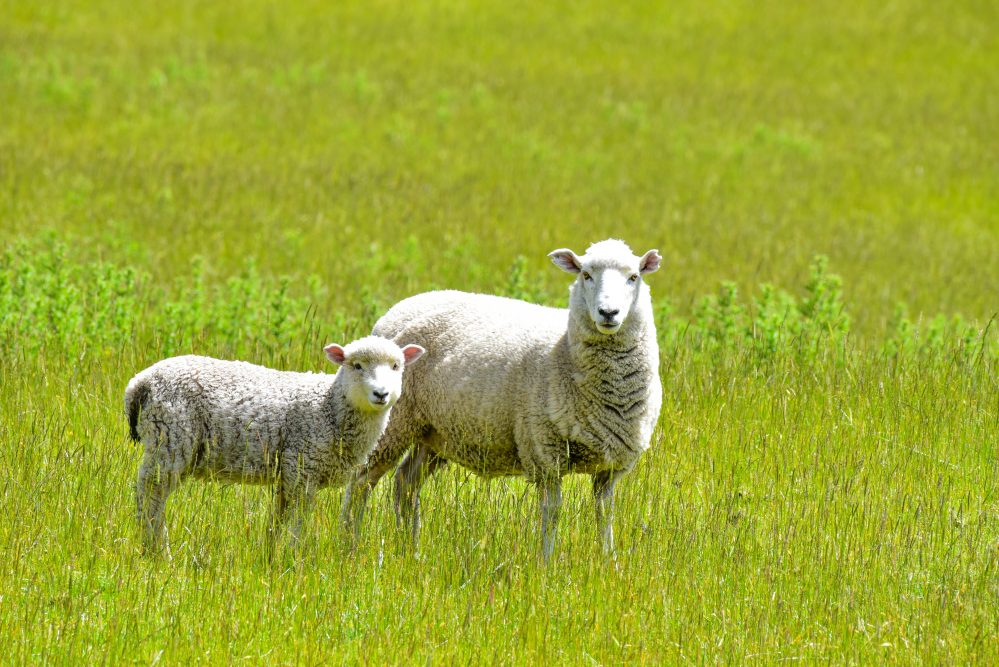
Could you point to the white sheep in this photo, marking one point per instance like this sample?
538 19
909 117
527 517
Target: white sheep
237 422
514 388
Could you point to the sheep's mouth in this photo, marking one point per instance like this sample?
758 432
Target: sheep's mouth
610 327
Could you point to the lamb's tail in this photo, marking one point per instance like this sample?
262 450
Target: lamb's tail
136 395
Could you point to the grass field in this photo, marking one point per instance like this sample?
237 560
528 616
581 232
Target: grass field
254 179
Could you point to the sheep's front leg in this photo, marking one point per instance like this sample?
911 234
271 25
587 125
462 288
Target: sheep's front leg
603 496
152 488
301 507
292 504
550 503
278 518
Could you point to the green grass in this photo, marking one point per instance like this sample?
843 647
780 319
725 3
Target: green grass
253 180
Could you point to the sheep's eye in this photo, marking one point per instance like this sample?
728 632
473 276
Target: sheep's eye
587 276
357 366
633 278
395 366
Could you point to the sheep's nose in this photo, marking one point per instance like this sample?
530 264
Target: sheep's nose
380 395
607 313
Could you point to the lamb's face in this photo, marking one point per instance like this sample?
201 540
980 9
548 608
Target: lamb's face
609 279
375 382
373 371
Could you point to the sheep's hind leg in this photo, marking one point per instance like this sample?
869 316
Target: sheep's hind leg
603 496
398 437
152 488
415 469
550 504
355 497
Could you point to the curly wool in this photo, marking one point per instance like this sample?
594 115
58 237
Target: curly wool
513 388
235 421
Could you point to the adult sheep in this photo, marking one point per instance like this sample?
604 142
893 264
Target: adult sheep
237 422
514 388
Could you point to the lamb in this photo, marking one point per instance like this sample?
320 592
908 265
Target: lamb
514 388
238 422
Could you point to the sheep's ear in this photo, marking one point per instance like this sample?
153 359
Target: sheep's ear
566 260
412 352
650 262
335 353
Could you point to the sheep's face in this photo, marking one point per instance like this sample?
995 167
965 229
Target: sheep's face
608 282
373 372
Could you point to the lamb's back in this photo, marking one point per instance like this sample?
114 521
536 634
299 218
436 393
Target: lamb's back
230 395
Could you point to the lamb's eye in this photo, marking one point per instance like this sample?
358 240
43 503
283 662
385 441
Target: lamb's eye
357 366
587 276
633 278
395 366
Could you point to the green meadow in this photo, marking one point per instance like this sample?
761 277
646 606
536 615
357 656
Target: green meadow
254 179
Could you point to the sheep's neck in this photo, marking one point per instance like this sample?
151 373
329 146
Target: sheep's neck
352 426
610 384
628 355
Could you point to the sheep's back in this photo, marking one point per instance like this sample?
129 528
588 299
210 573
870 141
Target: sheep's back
486 359
232 402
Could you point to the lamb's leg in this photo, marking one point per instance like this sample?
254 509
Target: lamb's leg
550 502
293 501
152 488
279 515
300 506
415 469
603 496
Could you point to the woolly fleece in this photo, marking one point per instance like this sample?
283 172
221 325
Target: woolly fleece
513 388
236 421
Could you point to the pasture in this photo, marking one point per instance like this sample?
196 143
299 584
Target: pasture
253 180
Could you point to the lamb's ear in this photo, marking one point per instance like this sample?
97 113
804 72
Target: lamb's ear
650 262
334 353
412 352
566 260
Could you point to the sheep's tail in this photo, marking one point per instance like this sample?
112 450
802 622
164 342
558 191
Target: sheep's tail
136 395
